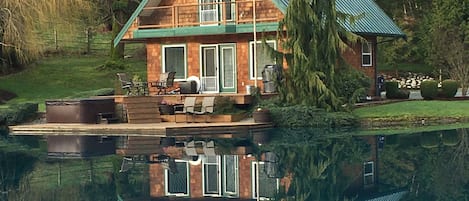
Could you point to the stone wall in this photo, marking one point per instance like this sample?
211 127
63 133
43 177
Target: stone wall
408 80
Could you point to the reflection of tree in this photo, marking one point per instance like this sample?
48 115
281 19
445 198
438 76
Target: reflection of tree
436 173
316 168
13 167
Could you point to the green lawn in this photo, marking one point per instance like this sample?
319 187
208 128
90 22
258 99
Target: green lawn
62 77
416 109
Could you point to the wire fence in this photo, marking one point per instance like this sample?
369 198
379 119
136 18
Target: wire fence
88 41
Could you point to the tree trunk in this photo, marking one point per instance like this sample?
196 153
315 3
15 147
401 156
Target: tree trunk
117 52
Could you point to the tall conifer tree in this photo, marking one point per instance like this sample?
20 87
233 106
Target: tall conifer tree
312 39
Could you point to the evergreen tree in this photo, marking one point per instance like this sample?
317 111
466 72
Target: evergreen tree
312 39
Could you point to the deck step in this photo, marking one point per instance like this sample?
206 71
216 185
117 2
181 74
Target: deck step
142 109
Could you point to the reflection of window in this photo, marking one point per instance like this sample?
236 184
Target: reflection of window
367 54
230 175
220 175
268 187
368 173
178 183
174 60
211 174
263 58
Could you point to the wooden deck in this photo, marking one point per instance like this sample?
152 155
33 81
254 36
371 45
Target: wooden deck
165 129
240 99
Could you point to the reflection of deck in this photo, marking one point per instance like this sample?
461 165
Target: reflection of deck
166 129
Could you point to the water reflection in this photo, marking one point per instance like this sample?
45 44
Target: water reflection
285 164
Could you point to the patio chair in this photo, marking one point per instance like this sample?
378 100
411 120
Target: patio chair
126 84
189 148
188 108
207 108
209 148
132 87
166 81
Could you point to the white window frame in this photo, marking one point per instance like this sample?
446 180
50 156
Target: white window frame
236 164
163 61
233 10
254 175
370 54
370 174
166 182
251 58
216 14
218 164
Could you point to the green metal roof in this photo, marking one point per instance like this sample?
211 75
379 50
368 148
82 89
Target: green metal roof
373 20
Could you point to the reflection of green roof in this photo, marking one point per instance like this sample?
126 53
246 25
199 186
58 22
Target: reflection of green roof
391 197
372 20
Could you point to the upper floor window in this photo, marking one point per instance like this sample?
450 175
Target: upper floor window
263 58
175 60
210 11
367 54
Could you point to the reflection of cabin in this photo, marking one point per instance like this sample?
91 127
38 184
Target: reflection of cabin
214 41
230 176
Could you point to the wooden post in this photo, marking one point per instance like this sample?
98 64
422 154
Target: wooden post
88 41
56 40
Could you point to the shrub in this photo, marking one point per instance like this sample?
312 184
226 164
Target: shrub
352 84
402 94
449 88
391 89
309 116
429 89
430 139
18 113
113 65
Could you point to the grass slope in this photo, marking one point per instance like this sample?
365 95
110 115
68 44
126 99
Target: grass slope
62 77
416 109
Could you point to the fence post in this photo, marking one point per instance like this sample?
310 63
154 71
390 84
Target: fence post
56 40
88 40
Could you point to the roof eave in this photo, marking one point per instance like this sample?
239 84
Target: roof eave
129 22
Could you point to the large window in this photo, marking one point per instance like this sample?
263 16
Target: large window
177 182
367 55
263 58
174 60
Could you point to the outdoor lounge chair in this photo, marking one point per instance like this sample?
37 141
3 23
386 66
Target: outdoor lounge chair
166 81
188 108
207 108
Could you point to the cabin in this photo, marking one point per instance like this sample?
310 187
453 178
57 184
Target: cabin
216 41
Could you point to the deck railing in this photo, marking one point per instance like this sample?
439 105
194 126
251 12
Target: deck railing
206 14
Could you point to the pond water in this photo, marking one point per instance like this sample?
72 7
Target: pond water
291 164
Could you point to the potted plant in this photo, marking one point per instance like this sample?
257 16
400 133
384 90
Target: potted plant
261 115
166 108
